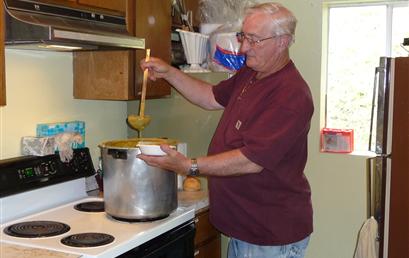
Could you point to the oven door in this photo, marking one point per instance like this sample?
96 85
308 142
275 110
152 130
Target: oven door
176 243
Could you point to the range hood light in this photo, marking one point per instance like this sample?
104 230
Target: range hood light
60 47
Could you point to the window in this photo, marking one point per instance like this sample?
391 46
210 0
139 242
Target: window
358 35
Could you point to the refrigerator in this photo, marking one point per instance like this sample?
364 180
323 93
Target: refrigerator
388 170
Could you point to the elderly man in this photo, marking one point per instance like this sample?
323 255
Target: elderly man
258 193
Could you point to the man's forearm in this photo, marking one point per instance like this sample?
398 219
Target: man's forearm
230 163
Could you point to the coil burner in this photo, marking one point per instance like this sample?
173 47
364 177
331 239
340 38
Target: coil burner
90 239
91 206
35 229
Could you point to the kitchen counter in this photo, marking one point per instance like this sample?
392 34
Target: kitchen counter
197 200
14 251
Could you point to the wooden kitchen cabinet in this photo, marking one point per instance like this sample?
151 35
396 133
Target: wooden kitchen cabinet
2 60
116 75
207 238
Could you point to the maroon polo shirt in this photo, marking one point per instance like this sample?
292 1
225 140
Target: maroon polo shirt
268 120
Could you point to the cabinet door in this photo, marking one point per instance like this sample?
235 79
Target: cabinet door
2 61
117 5
104 75
211 249
204 230
153 22
116 75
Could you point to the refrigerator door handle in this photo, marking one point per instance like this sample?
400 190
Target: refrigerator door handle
369 200
376 176
380 108
374 101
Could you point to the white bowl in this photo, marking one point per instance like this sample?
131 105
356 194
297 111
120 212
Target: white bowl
152 149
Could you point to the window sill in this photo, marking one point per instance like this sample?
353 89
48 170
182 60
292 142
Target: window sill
367 154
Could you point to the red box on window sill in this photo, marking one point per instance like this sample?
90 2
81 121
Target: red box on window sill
337 140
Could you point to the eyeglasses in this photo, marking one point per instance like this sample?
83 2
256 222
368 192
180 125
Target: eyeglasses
241 37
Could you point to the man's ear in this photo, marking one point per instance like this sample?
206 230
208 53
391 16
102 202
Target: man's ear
285 41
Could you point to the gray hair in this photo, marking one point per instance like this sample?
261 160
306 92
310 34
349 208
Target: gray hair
283 24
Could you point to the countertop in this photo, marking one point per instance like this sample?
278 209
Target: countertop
15 251
197 200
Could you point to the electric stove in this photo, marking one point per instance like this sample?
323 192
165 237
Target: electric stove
44 204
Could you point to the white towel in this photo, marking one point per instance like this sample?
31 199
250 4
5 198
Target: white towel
368 246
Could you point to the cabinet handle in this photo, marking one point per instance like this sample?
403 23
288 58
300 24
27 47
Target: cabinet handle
196 253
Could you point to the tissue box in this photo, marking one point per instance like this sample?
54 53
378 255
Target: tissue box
63 127
38 146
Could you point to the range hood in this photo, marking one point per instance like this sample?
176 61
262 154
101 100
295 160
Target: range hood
39 26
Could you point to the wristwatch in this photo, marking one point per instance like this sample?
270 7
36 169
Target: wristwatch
194 169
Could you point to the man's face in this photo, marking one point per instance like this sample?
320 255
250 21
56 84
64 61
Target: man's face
260 56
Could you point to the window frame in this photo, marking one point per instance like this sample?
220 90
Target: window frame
327 5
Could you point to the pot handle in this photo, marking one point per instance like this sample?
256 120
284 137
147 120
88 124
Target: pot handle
118 154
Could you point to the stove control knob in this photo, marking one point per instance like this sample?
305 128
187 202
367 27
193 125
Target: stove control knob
52 168
38 171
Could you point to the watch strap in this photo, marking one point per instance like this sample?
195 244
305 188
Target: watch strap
194 168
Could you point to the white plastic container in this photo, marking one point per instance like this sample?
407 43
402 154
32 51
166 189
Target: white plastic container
195 49
208 28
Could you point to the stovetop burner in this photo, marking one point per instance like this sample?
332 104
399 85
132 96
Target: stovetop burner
90 239
97 206
34 229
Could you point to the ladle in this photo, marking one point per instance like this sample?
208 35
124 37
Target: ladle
140 122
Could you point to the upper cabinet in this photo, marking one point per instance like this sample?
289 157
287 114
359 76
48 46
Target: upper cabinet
116 75
2 61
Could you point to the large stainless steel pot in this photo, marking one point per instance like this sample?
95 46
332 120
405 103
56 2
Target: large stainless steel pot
132 189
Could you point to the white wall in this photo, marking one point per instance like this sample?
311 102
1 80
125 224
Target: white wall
40 90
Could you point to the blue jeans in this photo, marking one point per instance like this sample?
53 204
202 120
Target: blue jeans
241 249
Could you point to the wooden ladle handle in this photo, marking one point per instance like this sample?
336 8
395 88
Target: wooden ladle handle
144 83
